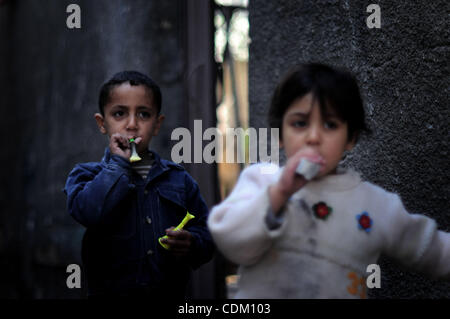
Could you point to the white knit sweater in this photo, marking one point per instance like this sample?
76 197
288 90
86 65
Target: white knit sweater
321 251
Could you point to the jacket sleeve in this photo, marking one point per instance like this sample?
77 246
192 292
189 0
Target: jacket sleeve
239 224
203 247
93 192
415 242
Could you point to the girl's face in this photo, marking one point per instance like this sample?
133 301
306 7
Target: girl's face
305 130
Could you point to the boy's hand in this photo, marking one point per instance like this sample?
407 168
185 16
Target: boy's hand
180 241
290 182
120 145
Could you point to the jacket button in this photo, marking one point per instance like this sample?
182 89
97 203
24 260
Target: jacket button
148 220
149 252
146 192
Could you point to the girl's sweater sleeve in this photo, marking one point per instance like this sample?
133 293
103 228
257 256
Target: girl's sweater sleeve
415 241
94 190
238 224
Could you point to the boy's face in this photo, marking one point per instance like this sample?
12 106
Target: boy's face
305 130
130 112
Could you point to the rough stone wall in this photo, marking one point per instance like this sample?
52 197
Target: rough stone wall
49 83
403 73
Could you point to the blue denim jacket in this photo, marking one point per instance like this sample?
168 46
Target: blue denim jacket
125 215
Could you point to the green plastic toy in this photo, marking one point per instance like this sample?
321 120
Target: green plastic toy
183 223
134 155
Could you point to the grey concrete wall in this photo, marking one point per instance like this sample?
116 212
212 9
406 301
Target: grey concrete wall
49 83
403 73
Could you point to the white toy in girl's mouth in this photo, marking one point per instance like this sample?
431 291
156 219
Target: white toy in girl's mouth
307 169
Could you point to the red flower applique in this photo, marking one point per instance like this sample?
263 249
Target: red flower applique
321 210
364 221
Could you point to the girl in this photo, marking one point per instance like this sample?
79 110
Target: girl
295 238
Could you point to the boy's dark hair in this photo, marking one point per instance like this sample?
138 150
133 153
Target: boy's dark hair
134 78
330 87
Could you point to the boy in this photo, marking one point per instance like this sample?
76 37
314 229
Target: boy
126 207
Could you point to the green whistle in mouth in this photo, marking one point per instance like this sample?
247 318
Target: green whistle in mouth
183 223
134 155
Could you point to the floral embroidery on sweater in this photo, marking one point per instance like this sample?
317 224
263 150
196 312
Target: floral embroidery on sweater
358 285
322 210
364 221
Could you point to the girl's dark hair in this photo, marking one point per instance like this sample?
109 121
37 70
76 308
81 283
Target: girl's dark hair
337 89
134 78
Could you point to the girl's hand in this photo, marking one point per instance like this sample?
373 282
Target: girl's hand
290 182
120 145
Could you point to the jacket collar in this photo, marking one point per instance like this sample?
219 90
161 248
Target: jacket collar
159 166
